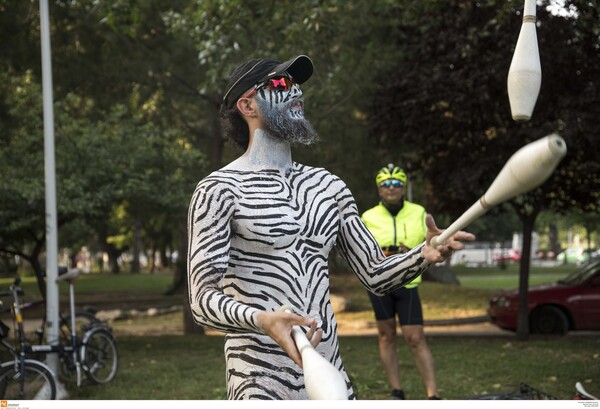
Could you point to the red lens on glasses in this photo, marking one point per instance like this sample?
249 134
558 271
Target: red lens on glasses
280 84
272 84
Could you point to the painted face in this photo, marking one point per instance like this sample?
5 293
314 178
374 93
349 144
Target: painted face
283 115
284 100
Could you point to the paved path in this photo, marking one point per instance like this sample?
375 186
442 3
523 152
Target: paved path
462 328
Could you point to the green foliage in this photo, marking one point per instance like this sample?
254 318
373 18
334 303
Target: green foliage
451 90
102 165
21 165
138 85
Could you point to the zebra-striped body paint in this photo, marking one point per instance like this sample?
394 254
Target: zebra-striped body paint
259 239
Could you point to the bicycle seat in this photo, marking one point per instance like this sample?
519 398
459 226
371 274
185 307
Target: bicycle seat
68 274
61 270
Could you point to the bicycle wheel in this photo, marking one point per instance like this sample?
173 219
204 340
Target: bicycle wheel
83 321
99 356
36 381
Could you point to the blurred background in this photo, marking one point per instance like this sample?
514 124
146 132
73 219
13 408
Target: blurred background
420 83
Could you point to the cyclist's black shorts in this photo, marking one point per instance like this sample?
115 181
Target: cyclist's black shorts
404 302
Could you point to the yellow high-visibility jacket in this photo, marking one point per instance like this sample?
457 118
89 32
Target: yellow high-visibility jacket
406 228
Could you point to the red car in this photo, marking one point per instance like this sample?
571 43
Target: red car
571 304
508 255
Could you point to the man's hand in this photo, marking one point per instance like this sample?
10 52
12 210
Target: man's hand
278 325
445 250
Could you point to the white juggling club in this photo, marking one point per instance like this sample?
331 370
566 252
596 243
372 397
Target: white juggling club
525 72
526 169
322 380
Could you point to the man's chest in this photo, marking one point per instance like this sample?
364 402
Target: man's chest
279 212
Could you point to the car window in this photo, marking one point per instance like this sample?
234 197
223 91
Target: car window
581 274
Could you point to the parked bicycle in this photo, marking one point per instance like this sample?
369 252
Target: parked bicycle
85 345
83 319
23 378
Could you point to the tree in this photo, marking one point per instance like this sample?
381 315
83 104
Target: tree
101 166
113 55
451 91
424 78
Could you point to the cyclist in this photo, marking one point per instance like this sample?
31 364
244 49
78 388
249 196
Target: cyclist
399 225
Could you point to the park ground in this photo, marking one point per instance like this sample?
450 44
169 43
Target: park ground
157 361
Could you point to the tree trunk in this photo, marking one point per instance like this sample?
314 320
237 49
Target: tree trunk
217 145
189 325
152 259
180 283
524 264
137 247
165 261
553 238
588 235
34 260
113 260
112 252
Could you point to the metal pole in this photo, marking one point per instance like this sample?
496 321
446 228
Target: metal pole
52 313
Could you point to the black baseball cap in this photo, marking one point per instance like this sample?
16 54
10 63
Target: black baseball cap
252 72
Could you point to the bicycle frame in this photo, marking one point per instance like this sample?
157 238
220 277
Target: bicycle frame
61 349
70 277
20 361
89 349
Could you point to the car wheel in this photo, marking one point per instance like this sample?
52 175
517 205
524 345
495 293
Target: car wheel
548 320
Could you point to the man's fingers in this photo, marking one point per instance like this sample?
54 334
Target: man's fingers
313 334
314 341
463 236
430 223
311 330
444 250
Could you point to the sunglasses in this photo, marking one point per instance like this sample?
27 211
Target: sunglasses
280 83
391 183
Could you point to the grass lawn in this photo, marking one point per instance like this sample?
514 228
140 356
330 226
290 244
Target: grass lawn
496 278
191 367
90 283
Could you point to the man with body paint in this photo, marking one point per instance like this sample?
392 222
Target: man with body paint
260 232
